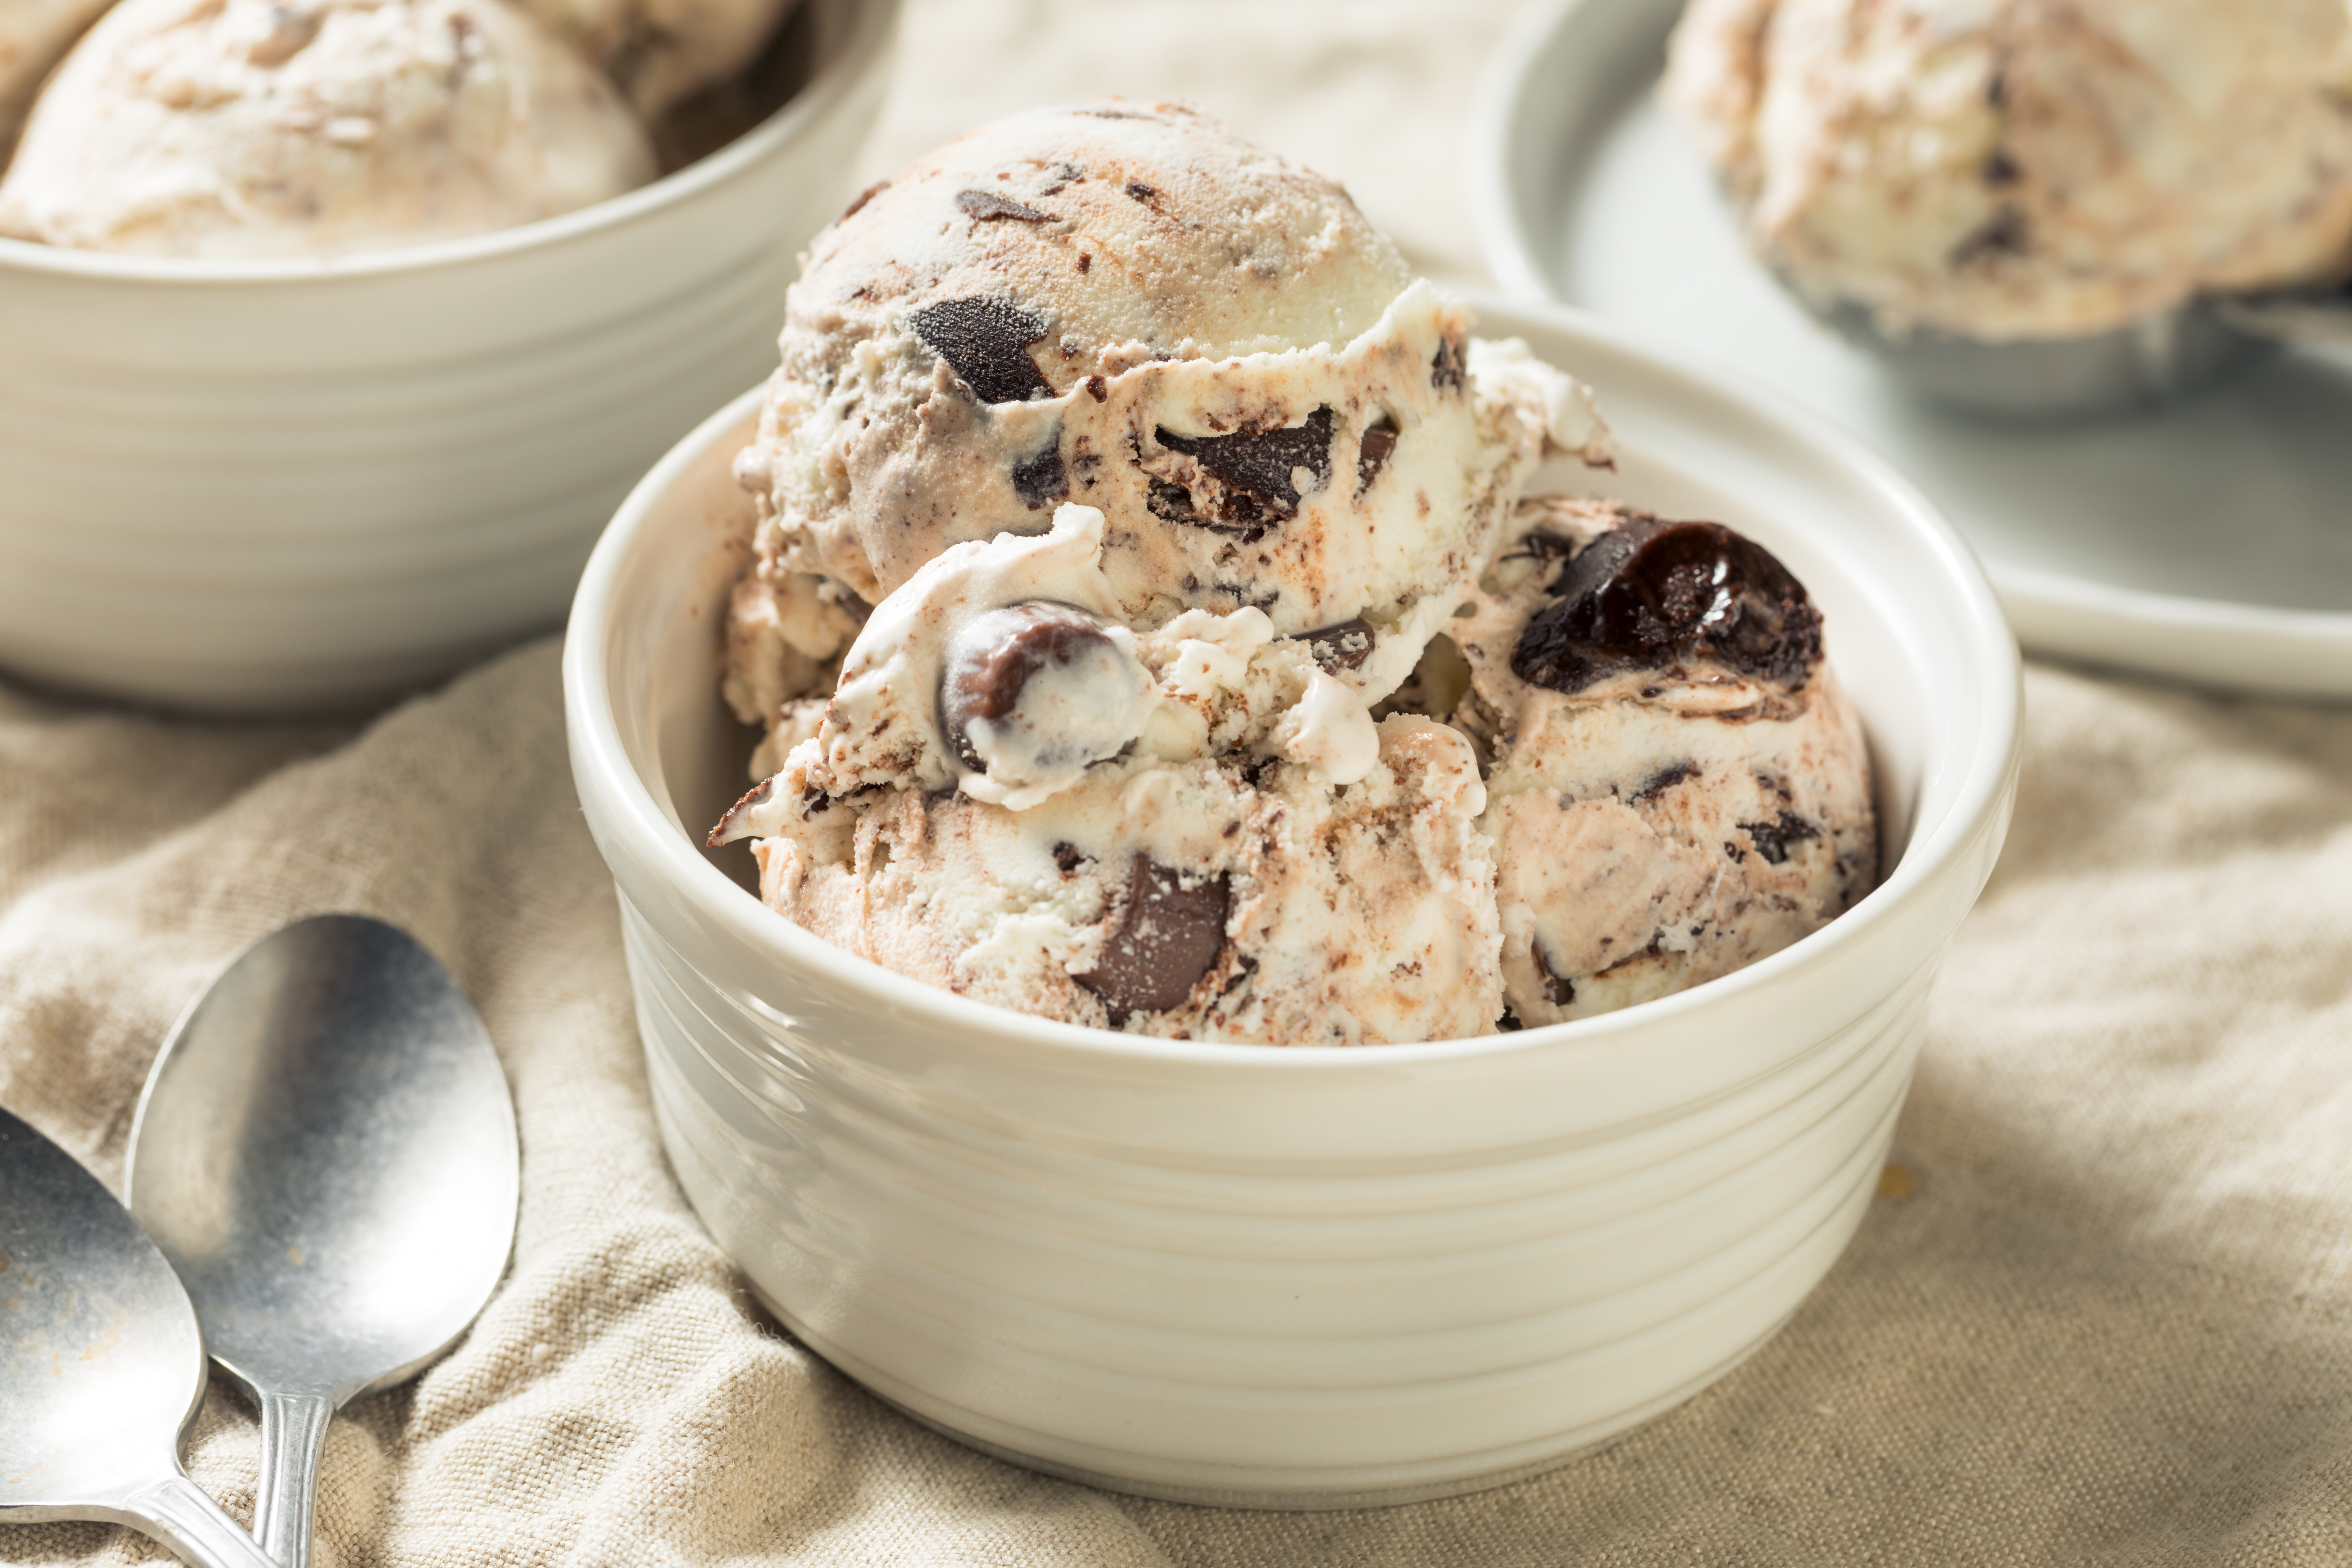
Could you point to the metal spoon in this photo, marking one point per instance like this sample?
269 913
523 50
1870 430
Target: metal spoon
325 1151
101 1366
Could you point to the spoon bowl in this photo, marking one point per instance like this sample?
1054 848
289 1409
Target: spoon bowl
326 1152
101 1363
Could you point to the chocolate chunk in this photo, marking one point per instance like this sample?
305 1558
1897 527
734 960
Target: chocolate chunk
1067 856
1651 594
1040 480
1665 779
1170 503
1168 937
1085 260
1558 989
858 204
987 207
986 672
756 795
1259 463
1097 388
985 341
1372 453
1773 839
1445 370
1342 647
2003 234
1140 192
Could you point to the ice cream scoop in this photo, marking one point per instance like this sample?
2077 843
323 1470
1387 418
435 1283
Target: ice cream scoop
661 52
1131 309
34 35
2027 209
251 128
1677 786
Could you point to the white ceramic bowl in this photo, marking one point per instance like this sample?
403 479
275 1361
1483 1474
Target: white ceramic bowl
283 485
1314 1276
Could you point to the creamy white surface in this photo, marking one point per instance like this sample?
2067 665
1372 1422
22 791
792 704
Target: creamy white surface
244 127
2006 169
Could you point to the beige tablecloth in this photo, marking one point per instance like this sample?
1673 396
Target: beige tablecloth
2099 1313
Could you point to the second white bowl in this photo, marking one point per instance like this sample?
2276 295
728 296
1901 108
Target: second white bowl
1313 1276
271 486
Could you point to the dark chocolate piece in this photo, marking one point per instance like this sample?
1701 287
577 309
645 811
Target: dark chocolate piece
1651 594
1040 480
2003 234
1372 454
1665 779
1446 369
1558 989
1168 937
987 207
1342 647
1168 503
986 675
985 341
1067 856
1142 192
1773 839
1259 463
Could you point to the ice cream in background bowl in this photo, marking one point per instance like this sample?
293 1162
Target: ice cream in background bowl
2031 208
320 462
1072 1202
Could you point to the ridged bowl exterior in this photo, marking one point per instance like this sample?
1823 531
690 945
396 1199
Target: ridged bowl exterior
1317 1276
278 485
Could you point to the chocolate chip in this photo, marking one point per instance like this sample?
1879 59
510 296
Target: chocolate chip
1557 988
1085 262
1342 647
756 795
1260 463
1168 503
1140 192
1445 370
1168 937
1069 857
1372 453
987 207
1773 839
2003 234
985 341
1040 480
1665 779
858 204
1650 593
995 658
1097 388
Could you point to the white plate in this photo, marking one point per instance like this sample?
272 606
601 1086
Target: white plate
2211 542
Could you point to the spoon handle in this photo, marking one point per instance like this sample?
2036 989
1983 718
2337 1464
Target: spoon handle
293 1433
178 1513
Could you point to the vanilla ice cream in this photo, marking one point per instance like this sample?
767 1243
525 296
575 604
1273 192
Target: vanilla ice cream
256 128
34 35
1135 545
2006 169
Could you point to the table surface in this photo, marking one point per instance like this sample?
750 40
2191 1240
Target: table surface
2098 1309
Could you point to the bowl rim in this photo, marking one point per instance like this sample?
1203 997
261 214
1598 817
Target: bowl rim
601 767
863 47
